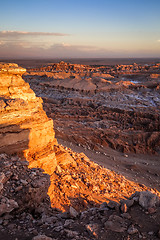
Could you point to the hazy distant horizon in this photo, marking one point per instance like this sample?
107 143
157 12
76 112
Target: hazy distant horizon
86 61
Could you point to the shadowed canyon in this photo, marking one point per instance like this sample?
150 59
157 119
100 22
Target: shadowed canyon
96 173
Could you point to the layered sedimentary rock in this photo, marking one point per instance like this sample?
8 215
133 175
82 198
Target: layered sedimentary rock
24 126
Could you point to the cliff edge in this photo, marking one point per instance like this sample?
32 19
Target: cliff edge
24 126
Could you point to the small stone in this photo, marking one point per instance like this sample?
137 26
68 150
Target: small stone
19 228
58 229
15 177
35 232
84 215
148 199
150 233
1 186
24 163
5 222
124 208
73 212
71 234
132 230
8 174
42 237
113 205
7 216
30 229
63 215
4 156
2 177
7 205
115 224
126 215
12 226
50 220
93 228
103 205
68 222
58 169
19 188
151 210
24 182
129 202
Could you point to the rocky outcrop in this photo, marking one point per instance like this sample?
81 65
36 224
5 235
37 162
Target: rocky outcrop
24 126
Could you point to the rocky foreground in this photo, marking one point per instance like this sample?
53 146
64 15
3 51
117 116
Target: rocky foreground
86 201
25 211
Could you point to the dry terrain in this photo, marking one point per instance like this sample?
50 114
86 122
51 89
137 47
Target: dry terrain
102 114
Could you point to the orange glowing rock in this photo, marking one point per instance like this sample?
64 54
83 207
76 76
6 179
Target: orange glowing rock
24 126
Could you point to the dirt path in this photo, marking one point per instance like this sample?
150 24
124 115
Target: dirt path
144 169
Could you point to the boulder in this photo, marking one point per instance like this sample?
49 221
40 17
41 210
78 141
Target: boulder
148 199
7 205
116 224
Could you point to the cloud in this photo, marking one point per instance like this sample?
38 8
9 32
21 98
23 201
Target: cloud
59 50
158 40
20 50
29 39
19 34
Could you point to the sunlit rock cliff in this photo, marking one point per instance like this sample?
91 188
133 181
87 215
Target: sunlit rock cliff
24 126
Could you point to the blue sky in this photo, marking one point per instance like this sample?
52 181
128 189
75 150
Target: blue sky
86 28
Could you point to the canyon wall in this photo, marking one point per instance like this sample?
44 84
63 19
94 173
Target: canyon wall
24 126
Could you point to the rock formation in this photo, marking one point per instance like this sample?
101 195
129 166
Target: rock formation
24 126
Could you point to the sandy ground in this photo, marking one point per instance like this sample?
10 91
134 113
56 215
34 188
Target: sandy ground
140 168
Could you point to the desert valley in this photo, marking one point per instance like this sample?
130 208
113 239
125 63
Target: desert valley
79 150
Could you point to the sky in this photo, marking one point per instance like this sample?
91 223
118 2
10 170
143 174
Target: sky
79 28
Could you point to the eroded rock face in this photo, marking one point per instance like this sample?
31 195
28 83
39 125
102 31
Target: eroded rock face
24 126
